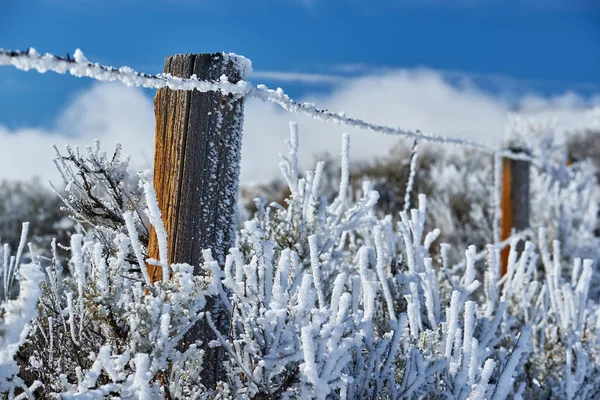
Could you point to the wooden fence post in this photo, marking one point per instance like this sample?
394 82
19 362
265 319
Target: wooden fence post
196 174
514 201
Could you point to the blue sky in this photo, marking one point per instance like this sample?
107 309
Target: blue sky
508 49
550 45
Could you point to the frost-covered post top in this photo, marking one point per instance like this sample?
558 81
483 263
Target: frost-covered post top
240 63
236 67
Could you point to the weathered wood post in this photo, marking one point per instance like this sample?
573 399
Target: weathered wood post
196 173
514 201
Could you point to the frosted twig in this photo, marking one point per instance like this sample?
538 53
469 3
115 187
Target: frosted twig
155 217
411 175
137 249
522 235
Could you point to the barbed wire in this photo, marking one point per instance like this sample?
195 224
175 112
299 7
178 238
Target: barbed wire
282 99
79 66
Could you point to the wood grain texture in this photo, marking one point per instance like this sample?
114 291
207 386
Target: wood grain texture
196 175
196 161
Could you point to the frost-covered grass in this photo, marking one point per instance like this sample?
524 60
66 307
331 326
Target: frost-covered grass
325 299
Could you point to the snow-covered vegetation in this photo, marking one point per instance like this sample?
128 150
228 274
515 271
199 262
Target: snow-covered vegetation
326 295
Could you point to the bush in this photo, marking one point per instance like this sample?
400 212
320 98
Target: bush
31 201
326 299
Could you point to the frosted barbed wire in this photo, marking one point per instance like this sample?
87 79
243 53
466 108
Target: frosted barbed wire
283 100
279 97
79 66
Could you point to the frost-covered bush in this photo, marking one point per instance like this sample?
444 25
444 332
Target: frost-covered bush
564 196
32 201
458 185
16 316
326 298
384 321
565 200
565 361
461 189
105 329
583 144
100 191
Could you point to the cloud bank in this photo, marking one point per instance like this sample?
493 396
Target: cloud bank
415 99
109 112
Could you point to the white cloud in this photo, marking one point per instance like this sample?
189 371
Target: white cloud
411 99
415 99
299 77
109 112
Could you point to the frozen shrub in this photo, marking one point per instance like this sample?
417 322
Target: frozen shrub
99 191
32 201
16 316
327 299
104 328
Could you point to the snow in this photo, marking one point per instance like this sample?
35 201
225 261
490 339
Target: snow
15 322
155 217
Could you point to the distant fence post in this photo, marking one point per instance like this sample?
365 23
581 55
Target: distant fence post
514 200
196 174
